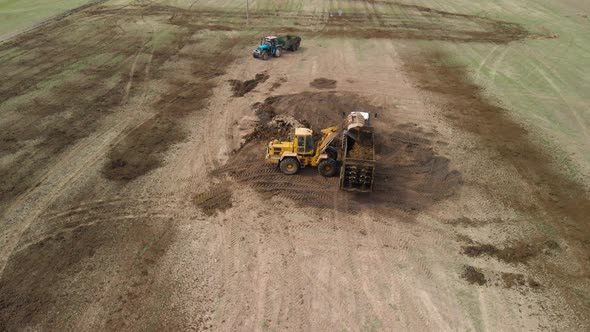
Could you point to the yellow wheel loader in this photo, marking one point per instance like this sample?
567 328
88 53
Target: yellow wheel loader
301 152
358 152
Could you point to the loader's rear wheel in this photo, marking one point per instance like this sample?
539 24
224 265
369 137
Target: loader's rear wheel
278 53
327 167
289 166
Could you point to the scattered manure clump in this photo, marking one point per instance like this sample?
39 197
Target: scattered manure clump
473 275
240 88
323 83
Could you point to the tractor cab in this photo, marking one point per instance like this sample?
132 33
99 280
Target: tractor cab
269 41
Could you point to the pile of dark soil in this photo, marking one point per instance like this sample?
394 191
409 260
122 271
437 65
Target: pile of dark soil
266 133
320 109
323 83
410 176
240 88
269 124
473 275
360 151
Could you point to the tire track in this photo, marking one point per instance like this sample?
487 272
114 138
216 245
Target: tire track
30 205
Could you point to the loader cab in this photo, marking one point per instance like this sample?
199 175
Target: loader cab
304 144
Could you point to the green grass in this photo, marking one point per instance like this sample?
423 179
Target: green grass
16 15
542 82
71 73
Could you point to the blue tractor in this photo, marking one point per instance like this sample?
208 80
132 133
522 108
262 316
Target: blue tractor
274 46
269 46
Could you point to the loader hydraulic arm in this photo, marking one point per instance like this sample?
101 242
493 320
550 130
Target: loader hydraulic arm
329 135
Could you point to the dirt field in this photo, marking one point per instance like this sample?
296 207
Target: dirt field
134 194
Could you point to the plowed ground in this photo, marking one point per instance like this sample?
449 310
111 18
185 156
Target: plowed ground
135 196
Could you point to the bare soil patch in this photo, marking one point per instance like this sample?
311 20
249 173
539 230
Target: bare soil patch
468 222
71 111
111 258
143 149
277 84
519 252
109 253
513 279
517 280
564 203
473 275
240 88
479 250
215 200
534 284
323 83
410 171
421 22
47 281
404 22
466 107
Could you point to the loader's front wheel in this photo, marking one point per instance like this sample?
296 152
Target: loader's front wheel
332 153
327 167
289 166
265 56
